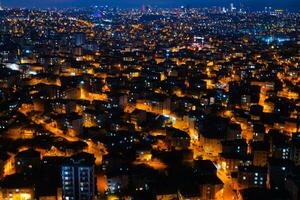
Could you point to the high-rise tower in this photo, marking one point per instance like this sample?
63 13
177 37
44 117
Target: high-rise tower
1 8
78 177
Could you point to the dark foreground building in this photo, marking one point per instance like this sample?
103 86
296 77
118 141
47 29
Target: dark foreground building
78 178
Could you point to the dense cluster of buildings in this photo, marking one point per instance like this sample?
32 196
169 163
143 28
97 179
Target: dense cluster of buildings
106 103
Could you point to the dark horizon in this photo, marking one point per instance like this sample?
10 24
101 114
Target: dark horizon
252 4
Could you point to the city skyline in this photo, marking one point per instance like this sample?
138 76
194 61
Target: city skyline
151 103
252 4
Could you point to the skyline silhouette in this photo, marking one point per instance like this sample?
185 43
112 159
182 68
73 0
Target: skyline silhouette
254 4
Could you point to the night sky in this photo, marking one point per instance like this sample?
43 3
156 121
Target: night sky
290 4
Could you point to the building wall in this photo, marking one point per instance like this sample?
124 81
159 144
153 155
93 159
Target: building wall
78 182
17 194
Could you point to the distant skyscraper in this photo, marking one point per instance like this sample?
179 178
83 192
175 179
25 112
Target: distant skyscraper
143 9
79 39
78 177
232 8
1 6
